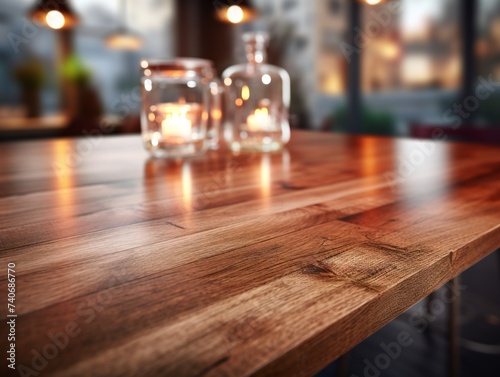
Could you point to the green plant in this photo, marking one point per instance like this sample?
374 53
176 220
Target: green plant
74 71
372 122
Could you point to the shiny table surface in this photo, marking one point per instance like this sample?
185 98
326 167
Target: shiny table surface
231 265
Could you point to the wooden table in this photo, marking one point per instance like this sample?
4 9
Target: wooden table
255 264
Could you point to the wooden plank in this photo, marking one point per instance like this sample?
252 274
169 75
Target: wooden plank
234 264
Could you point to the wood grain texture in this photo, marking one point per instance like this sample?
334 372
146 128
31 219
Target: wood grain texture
232 265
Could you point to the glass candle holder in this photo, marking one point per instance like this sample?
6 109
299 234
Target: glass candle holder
181 107
258 98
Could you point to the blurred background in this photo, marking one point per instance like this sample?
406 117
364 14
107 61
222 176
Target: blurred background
399 67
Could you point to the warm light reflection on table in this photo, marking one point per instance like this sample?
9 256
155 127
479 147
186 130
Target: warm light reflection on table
187 187
286 162
421 167
265 176
369 161
63 177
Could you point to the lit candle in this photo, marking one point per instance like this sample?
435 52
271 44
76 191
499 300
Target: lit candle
260 120
175 122
176 125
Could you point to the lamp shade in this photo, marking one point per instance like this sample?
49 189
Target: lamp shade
56 14
238 13
123 39
374 2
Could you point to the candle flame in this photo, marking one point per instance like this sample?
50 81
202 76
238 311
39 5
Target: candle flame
260 120
175 121
263 111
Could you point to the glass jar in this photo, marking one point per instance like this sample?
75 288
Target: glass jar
258 98
181 107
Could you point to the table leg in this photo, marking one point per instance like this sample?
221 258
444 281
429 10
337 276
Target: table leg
454 330
428 302
343 369
498 255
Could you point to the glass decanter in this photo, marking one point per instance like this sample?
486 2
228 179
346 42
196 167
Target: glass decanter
258 98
